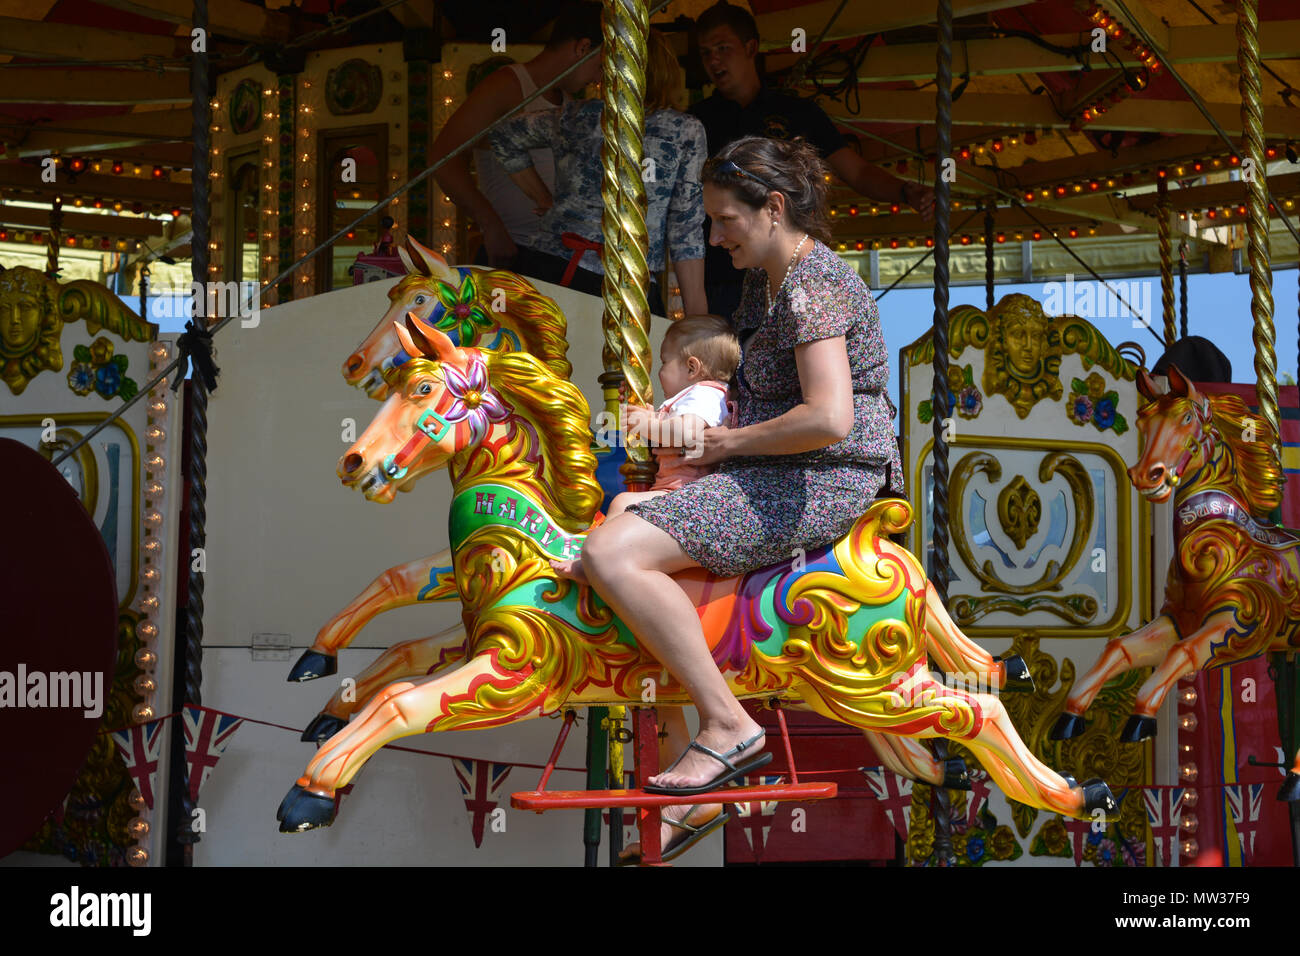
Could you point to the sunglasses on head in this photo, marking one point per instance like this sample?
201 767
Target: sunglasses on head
730 167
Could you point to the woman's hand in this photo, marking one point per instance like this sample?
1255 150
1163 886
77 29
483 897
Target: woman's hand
713 445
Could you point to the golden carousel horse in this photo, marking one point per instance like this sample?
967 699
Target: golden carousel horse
1233 586
504 311
846 635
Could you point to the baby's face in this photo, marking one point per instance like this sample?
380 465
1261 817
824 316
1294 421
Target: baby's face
676 372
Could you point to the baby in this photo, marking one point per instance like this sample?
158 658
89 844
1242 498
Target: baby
697 359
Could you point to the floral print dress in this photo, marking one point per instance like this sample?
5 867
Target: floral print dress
757 510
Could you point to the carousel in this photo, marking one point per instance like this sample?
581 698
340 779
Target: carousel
1073 643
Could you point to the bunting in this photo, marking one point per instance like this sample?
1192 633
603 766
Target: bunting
1164 807
140 747
756 816
207 734
480 785
895 792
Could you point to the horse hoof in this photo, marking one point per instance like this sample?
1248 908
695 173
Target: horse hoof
289 798
1097 796
323 727
313 664
1069 778
1017 678
1138 729
955 775
1290 787
1068 725
304 811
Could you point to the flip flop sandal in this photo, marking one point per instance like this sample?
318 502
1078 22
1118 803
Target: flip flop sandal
731 772
682 842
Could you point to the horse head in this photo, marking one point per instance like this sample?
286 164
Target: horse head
1176 429
439 403
497 310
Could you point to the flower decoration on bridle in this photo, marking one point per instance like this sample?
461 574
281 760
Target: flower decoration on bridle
473 400
461 312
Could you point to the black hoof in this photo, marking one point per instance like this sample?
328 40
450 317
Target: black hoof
955 775
289 798
1097 796
322 727
1138 729
1069 778
305 811
1018 679
312 665
1068 725
1290 787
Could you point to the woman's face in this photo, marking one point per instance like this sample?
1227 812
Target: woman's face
739 228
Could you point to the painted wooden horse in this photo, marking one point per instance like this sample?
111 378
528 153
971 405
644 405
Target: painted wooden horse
1233 586
846 636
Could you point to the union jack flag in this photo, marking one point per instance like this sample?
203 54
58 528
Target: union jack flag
895 792
480 783
1079 831
979 796
207 734
140 747
1244 803
1164 807
756 816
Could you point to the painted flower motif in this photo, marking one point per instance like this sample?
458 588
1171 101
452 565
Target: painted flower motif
956 377
1002 844
1056 840
1133 854
107 380
473 400
461 314
975 849
1081 409
101 351
1106 853
1104 412
81 378
1096 386
969 402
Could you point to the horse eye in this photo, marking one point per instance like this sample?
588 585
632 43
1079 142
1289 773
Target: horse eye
424 389
419 300
1187 419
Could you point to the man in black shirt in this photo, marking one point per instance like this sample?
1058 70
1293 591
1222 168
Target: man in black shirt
744 105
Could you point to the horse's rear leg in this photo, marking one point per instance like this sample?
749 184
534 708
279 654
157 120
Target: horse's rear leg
908 757
1185 657
1145 647
1291 785
479 693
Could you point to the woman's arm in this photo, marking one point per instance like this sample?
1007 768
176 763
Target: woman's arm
690 277
824 417
531 183
684 219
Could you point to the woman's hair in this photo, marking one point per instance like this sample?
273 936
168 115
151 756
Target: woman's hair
665 86
708 338
791 167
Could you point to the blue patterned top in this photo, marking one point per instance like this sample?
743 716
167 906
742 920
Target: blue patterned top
674 141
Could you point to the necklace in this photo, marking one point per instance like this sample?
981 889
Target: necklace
767 288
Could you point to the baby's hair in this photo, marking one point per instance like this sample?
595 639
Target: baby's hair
708 338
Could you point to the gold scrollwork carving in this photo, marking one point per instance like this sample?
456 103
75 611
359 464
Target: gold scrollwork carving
1076 608
1019 510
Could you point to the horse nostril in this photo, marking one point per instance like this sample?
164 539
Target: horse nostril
355 363
351 462
1156 473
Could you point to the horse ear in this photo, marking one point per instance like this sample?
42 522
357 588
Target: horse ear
433 343
1179 384
408 344
411 268
429 263
1146 386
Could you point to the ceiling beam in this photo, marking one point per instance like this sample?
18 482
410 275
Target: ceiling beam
1217 194
87 134
27 177
81 223
858 18
225 17
414 14
1017 112
92 87
63 41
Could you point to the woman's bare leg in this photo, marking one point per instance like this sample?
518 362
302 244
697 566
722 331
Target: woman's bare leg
629 561
572 569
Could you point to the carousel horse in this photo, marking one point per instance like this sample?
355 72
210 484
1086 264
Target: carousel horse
846 635
529 321
1233 587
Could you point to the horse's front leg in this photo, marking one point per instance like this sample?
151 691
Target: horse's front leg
399 586
910 758
479 693
955 653
417 658
1291 785
1186 657
1145 647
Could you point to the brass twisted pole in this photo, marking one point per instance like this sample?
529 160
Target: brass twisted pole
1165 240
1261 276
53 238
626 319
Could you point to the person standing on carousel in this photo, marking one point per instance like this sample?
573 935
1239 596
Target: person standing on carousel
743 104
814 444
503 212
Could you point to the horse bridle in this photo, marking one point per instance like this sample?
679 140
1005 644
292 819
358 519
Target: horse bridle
1203 441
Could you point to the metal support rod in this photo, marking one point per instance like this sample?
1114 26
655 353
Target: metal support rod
53 238
989 208
648 818
597 738
561 737
939 570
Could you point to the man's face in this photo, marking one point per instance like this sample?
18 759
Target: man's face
727 61
585 75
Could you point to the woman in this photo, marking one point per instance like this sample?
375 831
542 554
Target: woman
569 233
813 445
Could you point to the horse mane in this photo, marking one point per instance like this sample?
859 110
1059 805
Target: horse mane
1258 473
532 316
